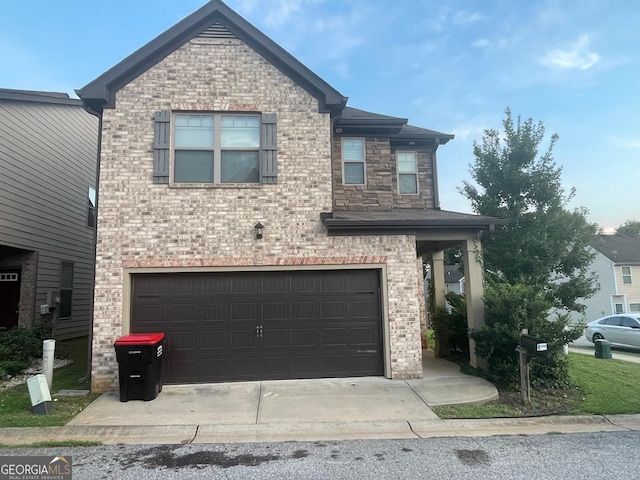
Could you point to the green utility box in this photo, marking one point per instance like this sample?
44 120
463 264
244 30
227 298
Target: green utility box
603 349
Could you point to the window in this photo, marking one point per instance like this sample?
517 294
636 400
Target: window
619 308
407 173
91 213
634 307
626 275
216 148
353 161
66 289
613 321
630 322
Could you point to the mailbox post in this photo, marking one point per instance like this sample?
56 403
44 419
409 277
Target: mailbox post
529 347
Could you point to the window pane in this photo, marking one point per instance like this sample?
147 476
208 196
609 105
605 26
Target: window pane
240 131
193 166
66 275
408 183
634 307
194 131
407 162
354 173
240 167
626 270
352 149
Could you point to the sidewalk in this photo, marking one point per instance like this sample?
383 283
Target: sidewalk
283 432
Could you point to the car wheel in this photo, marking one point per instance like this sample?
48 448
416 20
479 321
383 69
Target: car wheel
597 336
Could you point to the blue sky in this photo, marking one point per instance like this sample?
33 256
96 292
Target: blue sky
448 66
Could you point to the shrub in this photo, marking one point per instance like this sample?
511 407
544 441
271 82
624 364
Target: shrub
18 347
509 309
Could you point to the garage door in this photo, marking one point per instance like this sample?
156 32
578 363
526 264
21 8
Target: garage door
262 325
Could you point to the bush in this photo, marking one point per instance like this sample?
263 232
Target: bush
18 347
509 309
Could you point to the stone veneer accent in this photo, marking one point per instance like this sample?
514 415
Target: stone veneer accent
381 189
144 225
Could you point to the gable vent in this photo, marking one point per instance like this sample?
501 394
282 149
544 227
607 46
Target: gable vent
216 30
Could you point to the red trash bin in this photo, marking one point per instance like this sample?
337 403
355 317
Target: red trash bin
140 365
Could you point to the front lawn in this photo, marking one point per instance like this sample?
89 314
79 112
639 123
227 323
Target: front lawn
15 403
603 387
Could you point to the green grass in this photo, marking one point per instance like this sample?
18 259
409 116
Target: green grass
15 403
603 387
609 386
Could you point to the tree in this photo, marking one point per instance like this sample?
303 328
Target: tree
630 226
544 243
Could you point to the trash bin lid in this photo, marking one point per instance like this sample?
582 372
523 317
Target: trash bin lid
140 339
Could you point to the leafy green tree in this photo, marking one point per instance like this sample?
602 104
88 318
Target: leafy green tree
630 226
544 243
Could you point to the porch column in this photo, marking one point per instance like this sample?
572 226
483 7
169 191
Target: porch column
473 292
437 279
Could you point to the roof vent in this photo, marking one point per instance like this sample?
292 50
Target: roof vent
217 30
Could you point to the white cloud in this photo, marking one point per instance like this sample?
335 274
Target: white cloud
576 55
482 43
625 142
465 18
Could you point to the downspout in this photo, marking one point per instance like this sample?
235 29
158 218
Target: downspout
434 166
98 114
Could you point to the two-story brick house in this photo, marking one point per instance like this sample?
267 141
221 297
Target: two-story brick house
268 229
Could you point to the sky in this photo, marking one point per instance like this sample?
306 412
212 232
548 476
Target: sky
450 66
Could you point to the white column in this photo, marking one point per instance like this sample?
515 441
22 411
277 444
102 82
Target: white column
437 279
473 292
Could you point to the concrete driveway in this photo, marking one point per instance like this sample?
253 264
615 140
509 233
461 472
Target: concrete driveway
368 399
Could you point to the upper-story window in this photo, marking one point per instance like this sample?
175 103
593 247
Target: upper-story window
353 161
407 173
91 208
217 148
626 275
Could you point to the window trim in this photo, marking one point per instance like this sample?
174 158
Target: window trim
217 149
416 172
629 276
363 162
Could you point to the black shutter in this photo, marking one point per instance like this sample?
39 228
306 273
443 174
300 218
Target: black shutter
161 146
268 149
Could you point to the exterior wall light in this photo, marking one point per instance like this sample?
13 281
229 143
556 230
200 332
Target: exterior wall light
259 228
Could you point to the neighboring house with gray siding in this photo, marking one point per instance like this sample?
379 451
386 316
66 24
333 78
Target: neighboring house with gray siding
270 231
617 265
48 157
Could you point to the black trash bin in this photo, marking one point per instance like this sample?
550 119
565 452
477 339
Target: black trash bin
140 365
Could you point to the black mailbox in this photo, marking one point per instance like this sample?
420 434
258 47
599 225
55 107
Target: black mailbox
533 345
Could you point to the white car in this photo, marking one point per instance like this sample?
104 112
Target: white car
622 330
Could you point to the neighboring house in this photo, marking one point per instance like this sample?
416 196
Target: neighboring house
269 230
617 265
453 281
48 152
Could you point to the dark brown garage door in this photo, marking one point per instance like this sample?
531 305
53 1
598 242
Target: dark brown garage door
262 325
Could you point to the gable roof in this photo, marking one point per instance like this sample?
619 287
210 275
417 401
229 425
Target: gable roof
38 97
215 16
452 274
620 248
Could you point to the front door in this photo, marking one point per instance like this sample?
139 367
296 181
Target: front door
9 298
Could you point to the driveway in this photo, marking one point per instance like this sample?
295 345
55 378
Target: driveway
368 399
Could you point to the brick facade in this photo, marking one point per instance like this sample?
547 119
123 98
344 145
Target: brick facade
145 225
381 189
